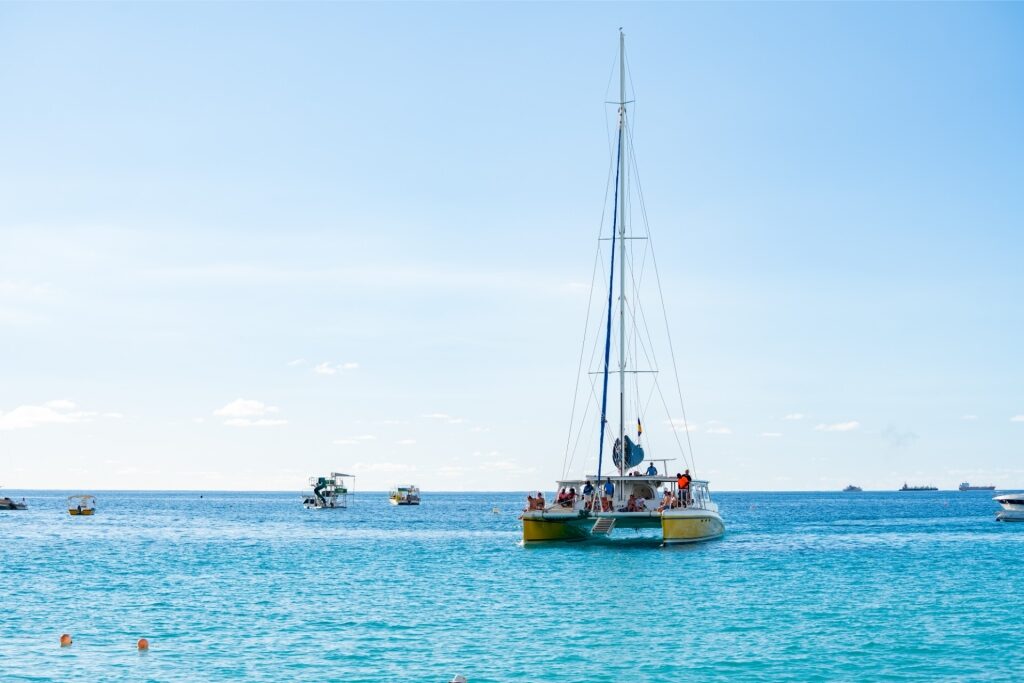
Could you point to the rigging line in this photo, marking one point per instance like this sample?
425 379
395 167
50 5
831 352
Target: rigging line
636 172
566 461
664 312
650 241
583 424
608 337
579 366
675 431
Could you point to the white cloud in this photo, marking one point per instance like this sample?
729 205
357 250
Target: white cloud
771 435
794 416
247 412
331 368
679 425
968 417
245 407
61 404
406 442
296 362
250 422
325 368
1017 418
350 440
838 427
61 411
446 418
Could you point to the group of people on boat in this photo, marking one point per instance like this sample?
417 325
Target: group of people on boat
599 498
537 503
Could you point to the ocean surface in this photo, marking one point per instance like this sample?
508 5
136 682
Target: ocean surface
251 586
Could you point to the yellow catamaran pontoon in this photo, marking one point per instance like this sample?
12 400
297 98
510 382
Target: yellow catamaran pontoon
675 506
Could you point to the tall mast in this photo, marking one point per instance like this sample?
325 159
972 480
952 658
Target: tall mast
622 251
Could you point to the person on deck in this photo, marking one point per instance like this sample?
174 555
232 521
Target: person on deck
640 505
630 504
539 501
652 471
683 482
609 491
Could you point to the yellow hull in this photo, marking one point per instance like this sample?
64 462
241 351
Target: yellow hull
691 528
550 530
77 513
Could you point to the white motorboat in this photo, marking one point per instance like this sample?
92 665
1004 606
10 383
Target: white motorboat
328 492
1013 507
7 503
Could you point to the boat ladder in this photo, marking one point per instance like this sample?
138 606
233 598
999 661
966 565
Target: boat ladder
603 526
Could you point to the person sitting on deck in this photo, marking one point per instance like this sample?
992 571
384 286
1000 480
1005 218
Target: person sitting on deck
652 471
667 502
630 504
640 505
531 504
560 498
572 496
539 501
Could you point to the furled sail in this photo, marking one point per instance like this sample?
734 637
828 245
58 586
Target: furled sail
634 454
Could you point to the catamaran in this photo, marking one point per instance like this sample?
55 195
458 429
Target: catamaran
630 497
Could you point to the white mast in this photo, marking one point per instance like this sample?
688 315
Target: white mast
622 252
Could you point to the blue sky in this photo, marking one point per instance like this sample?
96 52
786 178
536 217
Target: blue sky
203 204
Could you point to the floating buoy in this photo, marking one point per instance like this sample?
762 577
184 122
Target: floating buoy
459 678
65 640
143 644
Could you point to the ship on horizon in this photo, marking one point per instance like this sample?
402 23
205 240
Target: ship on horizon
966 486
918 488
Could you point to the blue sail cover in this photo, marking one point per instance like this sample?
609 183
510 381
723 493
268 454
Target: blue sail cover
634 454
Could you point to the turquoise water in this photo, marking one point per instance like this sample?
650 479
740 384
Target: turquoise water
241 586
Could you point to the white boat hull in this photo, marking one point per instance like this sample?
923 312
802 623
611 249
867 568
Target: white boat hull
1010 516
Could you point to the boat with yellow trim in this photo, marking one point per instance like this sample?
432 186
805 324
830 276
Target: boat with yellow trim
81 505
405 494
670 508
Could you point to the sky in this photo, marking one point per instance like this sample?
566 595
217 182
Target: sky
245 243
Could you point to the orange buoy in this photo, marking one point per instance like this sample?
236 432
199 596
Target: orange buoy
65 640
143 644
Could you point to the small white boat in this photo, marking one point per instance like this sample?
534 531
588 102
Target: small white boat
7 503
328 492
405 494
1013 507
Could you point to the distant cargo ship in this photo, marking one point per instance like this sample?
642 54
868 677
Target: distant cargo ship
967 487
917 488
852 489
